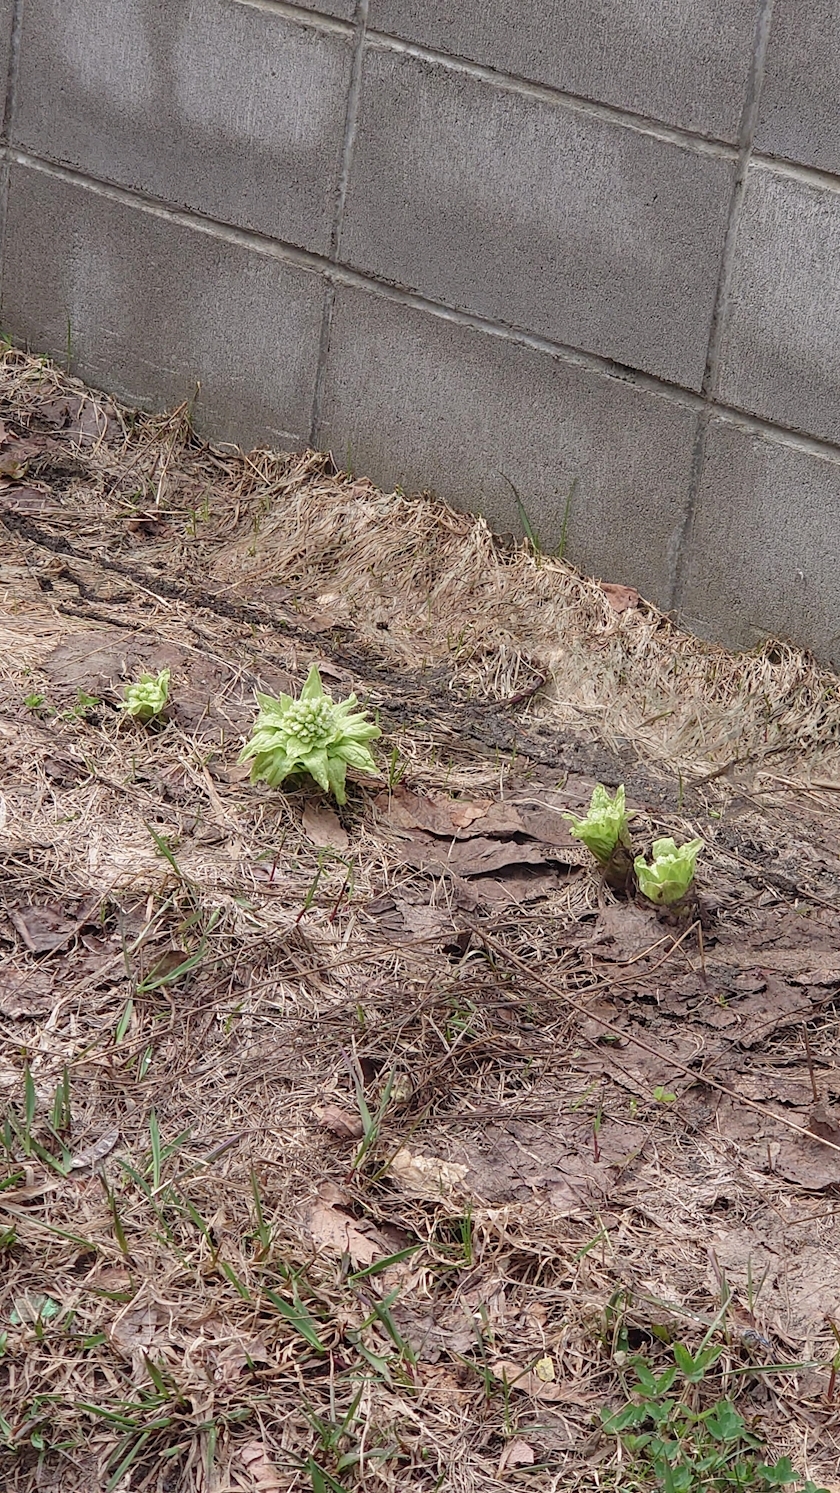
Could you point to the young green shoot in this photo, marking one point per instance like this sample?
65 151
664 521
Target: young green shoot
147 698
667 879
313 735
605 827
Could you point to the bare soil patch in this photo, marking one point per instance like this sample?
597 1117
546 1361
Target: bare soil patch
365 1149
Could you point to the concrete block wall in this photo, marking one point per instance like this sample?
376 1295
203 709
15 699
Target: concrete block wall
568 242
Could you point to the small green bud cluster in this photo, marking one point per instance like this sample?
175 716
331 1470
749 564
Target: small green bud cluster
309 721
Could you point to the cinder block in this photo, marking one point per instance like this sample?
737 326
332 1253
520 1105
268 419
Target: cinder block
780 347
414 399
152 308
763 557
227 109
537 215
798 116
684 62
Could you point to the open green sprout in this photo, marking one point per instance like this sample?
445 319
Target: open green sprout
605 826
314 734
671 873
148 697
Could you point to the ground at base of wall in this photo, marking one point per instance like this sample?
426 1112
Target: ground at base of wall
385 1146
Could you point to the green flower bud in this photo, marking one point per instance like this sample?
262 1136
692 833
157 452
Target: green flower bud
605 826
313 734
671 873
148 697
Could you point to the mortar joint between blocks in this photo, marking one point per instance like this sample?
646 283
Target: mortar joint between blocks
354 91
709 386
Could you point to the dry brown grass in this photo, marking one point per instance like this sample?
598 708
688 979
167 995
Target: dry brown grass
186 1239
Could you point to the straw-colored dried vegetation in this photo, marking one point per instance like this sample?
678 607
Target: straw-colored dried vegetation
365 1151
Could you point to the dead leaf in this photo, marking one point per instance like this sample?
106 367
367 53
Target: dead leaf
475 857
824 1124
29 500
403 810
324 827
627 929
237 1357
398 917
426 1176
465 814
25 992
343 1124
517 1453
43 928
259 1467
163 968
528 1382
96 1151
77 416
620 598
342 1235
766 1011
135 1329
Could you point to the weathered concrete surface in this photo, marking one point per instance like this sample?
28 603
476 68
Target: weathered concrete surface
344 10
111 279
223 108
781 340
423 402
7 10
770 512
799 116
674 60
537 215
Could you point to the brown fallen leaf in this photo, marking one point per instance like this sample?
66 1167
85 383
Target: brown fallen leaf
404 810
25 992
465 814
620 598
529 1382
824 1124
237 1357
78 416
766 1011
43 928
342 1235
516 1453
135 1329
626 930
29 500
409 920
324 827
475 857
343 1124
163 968
96 1151
260 1468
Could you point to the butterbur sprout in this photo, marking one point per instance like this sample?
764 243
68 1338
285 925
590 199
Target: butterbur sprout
669 876
314 734
605 826
148 697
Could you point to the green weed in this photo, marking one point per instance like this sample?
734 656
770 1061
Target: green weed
685 1449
